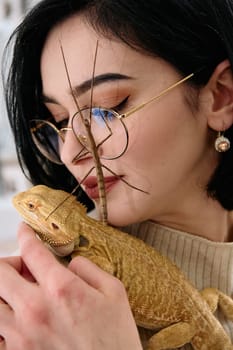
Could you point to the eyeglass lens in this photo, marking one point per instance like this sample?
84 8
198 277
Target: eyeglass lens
108 129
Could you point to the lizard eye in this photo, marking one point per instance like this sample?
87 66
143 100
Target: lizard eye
31 206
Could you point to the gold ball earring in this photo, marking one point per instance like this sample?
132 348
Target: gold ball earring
222 143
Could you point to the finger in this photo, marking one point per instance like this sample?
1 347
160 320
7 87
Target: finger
39 260
91 273
17 263
13 287
35 255
6 319
6 323
2 343
14 261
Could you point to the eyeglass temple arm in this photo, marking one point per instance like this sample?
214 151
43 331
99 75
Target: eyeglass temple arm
137 108
35 128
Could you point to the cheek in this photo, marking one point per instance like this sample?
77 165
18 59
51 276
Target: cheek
154 135
162 145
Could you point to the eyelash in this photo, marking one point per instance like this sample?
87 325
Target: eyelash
62 124
118 108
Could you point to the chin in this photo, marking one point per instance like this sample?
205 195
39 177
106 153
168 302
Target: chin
121 218
122 212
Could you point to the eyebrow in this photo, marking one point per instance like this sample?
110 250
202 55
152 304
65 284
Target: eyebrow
88 84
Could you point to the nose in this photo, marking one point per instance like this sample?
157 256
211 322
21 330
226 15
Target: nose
70 148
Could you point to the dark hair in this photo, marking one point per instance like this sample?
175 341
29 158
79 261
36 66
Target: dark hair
189 34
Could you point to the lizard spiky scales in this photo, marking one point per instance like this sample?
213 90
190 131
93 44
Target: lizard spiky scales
159 295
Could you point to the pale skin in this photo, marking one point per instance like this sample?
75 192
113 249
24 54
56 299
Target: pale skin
170 155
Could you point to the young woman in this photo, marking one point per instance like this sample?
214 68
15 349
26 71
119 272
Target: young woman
161 102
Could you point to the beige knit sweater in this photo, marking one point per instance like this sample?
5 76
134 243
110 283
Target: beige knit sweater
205 263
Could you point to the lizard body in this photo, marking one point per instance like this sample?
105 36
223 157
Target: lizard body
159 295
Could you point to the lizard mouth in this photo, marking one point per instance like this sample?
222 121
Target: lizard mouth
61 246
58 247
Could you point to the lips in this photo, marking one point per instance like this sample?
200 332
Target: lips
91 186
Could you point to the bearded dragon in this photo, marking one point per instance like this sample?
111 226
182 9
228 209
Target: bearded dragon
159 295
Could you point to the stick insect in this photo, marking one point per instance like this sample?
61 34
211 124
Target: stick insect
92 144
91 140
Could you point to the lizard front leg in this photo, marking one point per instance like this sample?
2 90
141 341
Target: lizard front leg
174 336
215 297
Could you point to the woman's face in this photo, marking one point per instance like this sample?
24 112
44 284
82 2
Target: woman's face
169 155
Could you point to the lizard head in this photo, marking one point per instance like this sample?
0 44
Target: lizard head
48 212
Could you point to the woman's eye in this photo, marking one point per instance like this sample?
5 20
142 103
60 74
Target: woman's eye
62 124
103 115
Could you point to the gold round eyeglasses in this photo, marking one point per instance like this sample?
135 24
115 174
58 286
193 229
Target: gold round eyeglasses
107 127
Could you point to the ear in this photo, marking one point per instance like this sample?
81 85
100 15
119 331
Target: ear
220 91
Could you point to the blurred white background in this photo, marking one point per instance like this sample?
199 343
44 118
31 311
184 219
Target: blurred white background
11 177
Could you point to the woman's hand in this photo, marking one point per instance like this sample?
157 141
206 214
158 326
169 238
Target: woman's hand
50 307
